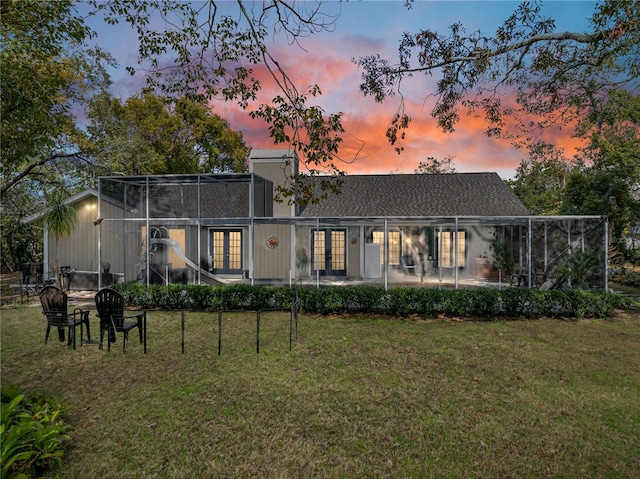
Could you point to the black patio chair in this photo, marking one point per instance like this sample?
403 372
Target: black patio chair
54 307
110 306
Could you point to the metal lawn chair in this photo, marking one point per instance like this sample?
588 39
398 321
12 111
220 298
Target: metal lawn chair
54 307
110 306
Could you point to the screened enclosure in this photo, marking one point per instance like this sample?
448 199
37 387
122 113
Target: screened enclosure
217 229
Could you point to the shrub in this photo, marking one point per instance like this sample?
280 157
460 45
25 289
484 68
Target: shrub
400 301
33 434
430 302
525 303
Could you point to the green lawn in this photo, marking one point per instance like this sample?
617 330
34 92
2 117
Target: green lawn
356 397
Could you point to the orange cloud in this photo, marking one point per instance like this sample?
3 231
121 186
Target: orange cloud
365 148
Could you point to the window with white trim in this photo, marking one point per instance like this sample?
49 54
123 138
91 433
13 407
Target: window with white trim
447 248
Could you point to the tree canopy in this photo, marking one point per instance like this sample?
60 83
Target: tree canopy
45 71
602 179
146 135
611 183
555 77
204 52
433 165
541 179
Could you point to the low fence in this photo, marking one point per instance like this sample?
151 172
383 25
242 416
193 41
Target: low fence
293 325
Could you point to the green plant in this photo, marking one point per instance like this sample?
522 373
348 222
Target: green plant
33 434
302 259
503 259
401 301
582 266
357 396
60 219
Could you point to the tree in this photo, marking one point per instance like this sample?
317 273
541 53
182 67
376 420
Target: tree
146 135
555 76
44 72
432 165
541 179
197 52
20 243
47 74
202 53
611 184
59 219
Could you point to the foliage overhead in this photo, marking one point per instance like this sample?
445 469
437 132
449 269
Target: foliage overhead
45 72
187 51
145 135
202 53
557 77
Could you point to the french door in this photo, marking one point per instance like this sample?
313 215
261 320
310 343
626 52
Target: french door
226 251
329 248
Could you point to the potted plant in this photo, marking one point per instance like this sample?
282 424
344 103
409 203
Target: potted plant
483 267
301 258
503 260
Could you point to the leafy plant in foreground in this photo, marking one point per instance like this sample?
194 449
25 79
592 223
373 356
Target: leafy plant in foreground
33 434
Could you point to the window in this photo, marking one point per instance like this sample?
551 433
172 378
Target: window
447 243
394 246
319 251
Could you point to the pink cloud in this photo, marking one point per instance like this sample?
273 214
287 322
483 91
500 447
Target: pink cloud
365 149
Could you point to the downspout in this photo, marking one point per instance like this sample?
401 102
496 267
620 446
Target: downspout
251 228
148 239
315 259
386 254
99 234
606 253
455 253
45 251
529 256
199 232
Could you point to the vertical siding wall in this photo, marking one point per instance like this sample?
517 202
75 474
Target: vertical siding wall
277 173
272 262
80 249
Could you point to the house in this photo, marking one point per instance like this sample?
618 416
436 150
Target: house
440 229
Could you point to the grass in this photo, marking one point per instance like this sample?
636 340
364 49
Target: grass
356 397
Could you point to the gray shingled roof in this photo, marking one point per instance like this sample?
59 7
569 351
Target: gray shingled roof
452 194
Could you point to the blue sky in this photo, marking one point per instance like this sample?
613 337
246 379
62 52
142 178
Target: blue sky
364 28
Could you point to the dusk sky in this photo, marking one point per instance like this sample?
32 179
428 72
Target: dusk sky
364 28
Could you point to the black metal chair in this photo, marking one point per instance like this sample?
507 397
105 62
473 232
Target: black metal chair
54 307
110 306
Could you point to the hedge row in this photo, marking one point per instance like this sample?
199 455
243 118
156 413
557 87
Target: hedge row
400 301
